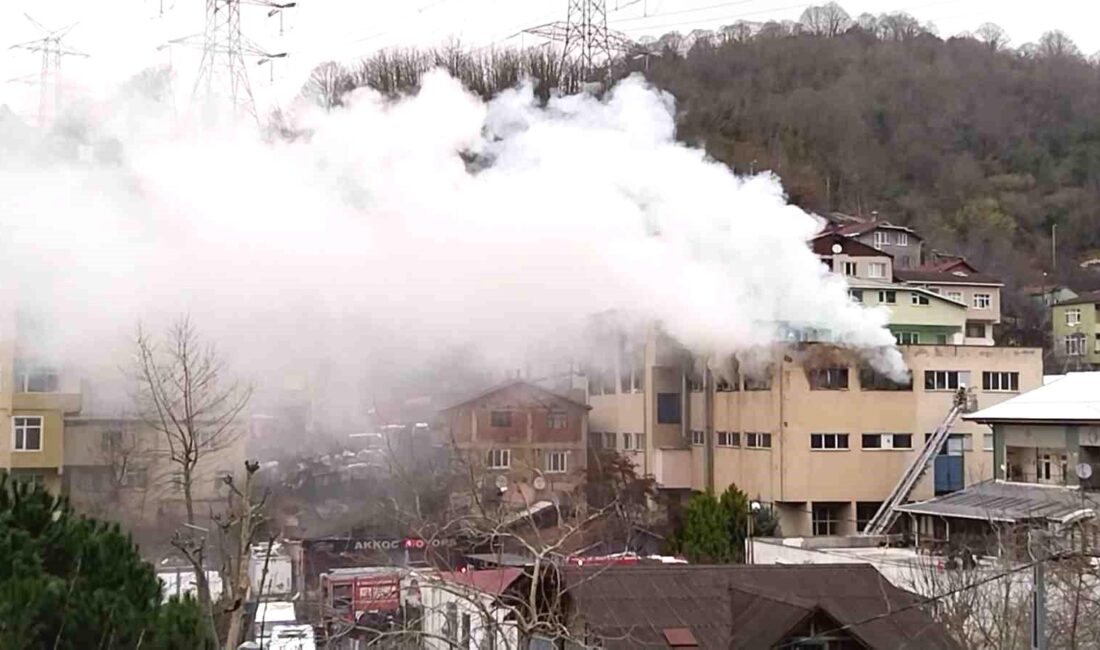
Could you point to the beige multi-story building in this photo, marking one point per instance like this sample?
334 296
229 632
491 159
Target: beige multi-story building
979 293
35 397
808 427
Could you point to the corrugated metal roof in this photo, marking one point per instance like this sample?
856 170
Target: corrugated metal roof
1007 501
1073 398
744 606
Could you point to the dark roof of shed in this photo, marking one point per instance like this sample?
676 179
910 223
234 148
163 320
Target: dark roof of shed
945 277
510 384
740 606
995 500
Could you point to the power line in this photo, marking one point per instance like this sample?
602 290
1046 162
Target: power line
585 35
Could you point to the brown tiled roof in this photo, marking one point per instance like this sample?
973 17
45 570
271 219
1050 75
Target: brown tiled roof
740 606
823 245
509 384
1088 296
855 229
942 277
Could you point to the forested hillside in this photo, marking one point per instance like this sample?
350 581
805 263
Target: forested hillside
983 149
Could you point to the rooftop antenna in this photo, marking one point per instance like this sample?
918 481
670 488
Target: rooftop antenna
585 36
53 49
223 75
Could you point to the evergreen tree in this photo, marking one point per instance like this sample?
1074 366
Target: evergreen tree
73 582
714 529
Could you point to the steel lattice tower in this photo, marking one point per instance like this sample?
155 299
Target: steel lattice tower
53 50
584 35
222 68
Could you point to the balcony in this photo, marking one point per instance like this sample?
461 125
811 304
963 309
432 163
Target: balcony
67 403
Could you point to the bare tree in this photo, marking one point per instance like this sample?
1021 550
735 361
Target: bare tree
184 395
1057 44
825 20
238 526
992 35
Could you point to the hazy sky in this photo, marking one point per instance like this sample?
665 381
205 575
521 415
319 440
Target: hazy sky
122 35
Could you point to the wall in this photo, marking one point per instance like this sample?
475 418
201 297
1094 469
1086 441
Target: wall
905 257
436 596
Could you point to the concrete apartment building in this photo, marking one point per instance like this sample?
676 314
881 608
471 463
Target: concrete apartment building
978 292
902 244
34 400
524 441
1075 327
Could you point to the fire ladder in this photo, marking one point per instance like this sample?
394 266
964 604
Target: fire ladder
887 513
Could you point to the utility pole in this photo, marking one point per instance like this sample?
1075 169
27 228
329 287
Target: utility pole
1038 594
585 36
53 49
223 75
1054 248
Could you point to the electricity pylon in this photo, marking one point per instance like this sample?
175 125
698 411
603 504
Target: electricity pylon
53 50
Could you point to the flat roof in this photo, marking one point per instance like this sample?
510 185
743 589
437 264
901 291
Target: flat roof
1074 397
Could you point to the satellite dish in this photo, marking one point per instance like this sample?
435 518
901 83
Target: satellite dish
539 483
1084 470
837 248
502 481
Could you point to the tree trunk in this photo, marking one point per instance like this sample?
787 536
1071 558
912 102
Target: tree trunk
240 580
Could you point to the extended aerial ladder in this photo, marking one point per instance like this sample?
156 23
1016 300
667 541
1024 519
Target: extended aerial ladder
887 513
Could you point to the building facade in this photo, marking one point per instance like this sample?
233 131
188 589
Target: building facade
531 443
1075 327
979 293
808 427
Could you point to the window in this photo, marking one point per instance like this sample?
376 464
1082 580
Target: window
763 382
1001 381
450 623
987 442
1096 345
500 458
955 295
1073 316
828 441
500 418
907 338
850 269
935 290
609 439
695 383
871 379
595 439
881 238
135 477
865 511
1075 345
628 441
728 439
698 437
918 298
639 441
826 518
668 408
982 300
975 330
876 270
888 297
35 379
758 440
901 239
724 385
557 462
856 294
828 379
27 431
112 440
946 379
886 441
557 420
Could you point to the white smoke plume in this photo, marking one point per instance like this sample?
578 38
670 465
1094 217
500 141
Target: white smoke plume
377 234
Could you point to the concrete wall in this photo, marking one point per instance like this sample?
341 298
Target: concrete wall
1089 326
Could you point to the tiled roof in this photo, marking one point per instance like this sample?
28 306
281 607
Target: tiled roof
509 384
941 277
745 606
1009 502
1088 296
823 245
855 229
488 581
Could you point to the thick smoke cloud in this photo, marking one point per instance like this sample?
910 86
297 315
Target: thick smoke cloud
408 226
